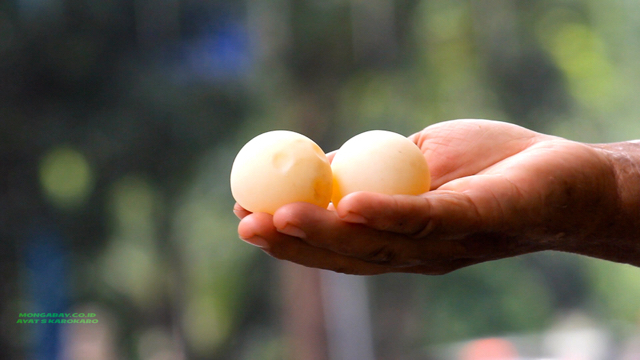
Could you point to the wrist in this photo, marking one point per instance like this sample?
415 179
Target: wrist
617 236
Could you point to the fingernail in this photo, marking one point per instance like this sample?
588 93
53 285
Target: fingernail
293 231
354 218
256 241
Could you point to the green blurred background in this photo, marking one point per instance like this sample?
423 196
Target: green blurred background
119 121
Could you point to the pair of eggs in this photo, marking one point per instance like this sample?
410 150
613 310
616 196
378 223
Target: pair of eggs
281 167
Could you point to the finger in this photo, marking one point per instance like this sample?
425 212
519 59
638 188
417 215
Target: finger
481 203
322 228
441 268
438 214
293 249
257 229
240 211
254 227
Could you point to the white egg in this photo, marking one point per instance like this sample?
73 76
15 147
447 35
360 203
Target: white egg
280 167
379 161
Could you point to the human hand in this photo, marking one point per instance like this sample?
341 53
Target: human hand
498 190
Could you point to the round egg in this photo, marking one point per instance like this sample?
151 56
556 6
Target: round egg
280 167
379 161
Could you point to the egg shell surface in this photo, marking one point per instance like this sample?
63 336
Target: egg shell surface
280 167
379 161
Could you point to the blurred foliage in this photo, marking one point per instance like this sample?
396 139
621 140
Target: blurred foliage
119 121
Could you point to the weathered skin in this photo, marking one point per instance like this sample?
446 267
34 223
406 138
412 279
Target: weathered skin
498 190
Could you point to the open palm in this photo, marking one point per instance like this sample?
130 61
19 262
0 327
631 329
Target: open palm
498 190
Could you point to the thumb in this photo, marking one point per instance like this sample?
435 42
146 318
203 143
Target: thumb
441 213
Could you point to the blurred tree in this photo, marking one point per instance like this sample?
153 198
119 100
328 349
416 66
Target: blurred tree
125 92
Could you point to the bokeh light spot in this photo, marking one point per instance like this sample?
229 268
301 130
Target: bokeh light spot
66 177
580 53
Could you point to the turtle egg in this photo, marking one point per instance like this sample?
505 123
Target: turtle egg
280 167
379 161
